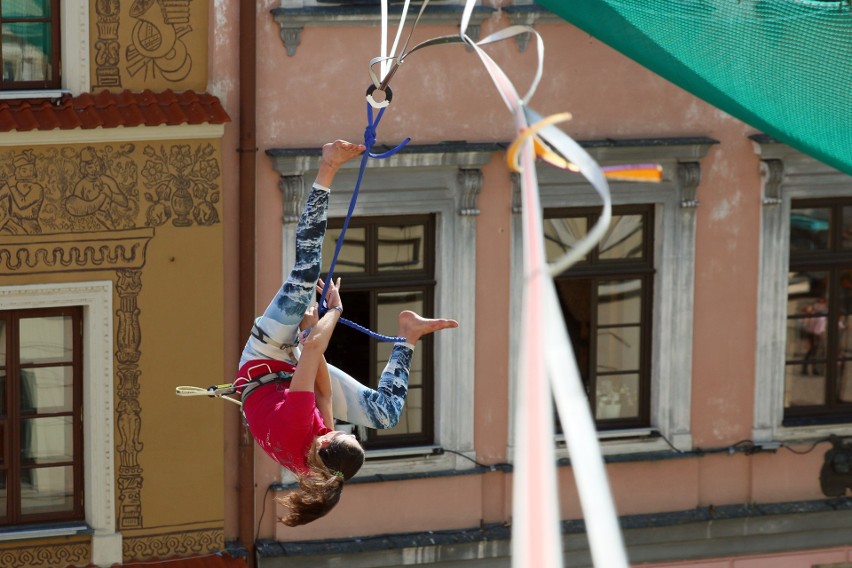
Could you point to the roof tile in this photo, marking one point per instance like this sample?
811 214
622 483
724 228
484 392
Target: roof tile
110 110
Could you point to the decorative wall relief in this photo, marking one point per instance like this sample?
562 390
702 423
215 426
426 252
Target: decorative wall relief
97 196
46 555
183 185
72 190
107 46
173 544
21 197
128 338
157 50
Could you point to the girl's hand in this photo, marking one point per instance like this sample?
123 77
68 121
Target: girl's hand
310 318
332 296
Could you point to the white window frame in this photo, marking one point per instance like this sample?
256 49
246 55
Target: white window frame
96 298
674 262
425 181
787 174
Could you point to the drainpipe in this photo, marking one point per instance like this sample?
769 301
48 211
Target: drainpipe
247 166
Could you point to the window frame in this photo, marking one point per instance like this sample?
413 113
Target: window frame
14 418
786 175
595 270
443 180
55 81
374 282
73 47
832 260
99 491
674 201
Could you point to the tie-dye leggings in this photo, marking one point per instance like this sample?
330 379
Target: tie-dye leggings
275 332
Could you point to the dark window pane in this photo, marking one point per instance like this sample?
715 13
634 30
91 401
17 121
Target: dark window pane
47 390
25 9
3 339
389 307
846 229
400 248
803 389
352 257
4 500
619 349
561 234
623 239
576 299
619 302
47 490
617 396
47 440
809 229
27 51
389 268
46 340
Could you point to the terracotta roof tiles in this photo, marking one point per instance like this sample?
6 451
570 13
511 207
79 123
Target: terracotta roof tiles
110 110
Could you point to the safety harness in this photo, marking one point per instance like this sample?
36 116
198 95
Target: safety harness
255 373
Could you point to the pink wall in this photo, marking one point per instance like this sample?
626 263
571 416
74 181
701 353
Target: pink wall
443 93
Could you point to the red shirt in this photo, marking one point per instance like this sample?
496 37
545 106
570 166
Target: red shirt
284 423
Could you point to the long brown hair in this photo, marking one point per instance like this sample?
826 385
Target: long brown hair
320 488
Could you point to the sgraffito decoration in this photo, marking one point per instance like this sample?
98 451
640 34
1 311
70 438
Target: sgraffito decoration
96 208
107 45
128 338
46 556
71 190
173 543
157 49
182 185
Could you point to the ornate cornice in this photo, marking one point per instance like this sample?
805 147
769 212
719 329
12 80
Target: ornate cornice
45 254
688 178
470 185
771 176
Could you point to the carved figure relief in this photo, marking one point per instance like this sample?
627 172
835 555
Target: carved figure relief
21 198
157 49
96 194
182 184
60 191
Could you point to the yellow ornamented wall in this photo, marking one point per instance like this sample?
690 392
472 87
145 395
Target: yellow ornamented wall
149 44
146 216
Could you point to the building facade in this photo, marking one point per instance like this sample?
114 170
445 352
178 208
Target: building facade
154 158
111 282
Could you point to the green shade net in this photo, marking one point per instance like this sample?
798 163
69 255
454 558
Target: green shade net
782 66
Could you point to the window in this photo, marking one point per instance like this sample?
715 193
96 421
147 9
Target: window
818 373
633 294
94 300
606 301
387 264
428 194
30 44
41 461
804 259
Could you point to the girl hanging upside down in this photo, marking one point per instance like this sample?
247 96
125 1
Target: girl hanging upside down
288 404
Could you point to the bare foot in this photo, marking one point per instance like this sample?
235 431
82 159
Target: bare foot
337 153
412 326
334 155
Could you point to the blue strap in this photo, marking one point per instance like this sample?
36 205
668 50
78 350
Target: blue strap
369 142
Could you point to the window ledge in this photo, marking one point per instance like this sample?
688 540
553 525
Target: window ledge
43 531
48 94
